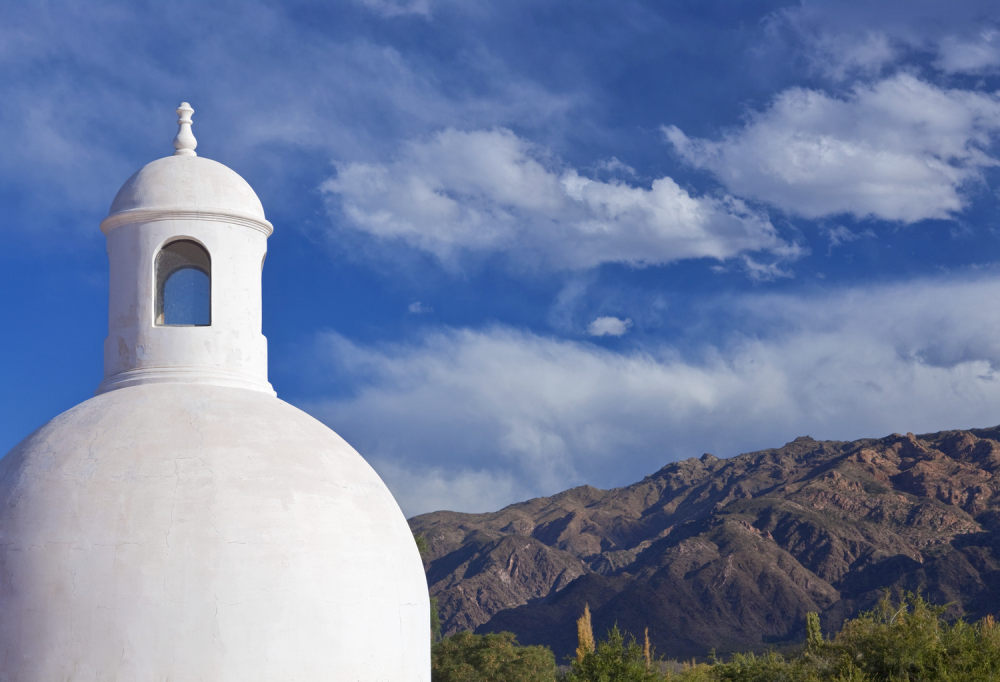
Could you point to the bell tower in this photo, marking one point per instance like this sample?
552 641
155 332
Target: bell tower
186 240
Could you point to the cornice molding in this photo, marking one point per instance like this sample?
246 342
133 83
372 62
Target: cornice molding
147 215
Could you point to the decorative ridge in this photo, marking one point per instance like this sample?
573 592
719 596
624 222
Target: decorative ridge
183 375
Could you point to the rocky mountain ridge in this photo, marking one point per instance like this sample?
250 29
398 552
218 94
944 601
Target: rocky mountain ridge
731 553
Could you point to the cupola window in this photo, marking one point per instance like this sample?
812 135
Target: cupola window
183 285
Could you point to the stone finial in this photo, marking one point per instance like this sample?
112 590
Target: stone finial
185 142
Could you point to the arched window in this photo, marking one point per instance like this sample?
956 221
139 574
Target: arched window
183 285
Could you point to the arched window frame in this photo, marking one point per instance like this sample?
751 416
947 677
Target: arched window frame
174 255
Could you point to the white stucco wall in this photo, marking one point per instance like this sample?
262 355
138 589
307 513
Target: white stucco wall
232 351
194 532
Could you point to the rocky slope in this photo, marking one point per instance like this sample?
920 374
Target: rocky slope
731 553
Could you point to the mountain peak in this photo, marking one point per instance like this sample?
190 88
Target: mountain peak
731 553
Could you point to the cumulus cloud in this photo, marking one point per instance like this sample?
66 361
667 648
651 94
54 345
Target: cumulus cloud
609 326
490 190
512 414
900 149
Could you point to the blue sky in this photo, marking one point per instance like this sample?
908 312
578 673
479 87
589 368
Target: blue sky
521 246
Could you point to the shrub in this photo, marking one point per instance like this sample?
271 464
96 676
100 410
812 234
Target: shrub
467 657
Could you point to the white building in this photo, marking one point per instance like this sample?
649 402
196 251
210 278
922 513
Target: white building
184 523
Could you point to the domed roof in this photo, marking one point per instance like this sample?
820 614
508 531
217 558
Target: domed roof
173 531
189 183
184 185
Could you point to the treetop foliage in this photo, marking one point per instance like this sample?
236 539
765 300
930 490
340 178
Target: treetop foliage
466 657
907 640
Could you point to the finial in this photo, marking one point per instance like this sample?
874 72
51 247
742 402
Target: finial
185 143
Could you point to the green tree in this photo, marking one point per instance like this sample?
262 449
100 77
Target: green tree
424 550
422 546
614 659
768 667
973 651
814 636
896 642
435 621
467 657
912 641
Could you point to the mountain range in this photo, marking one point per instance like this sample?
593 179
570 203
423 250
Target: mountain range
730 554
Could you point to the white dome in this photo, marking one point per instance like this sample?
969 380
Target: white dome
187 532
188 183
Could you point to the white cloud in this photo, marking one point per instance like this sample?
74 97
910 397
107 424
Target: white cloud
861 52
970 54
763 272
900 149
839 234
838 46
279 97
859 39
609 326
395 8
490 190
615 167
506 415
428 488
419 308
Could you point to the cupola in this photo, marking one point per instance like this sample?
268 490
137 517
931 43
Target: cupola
186 240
